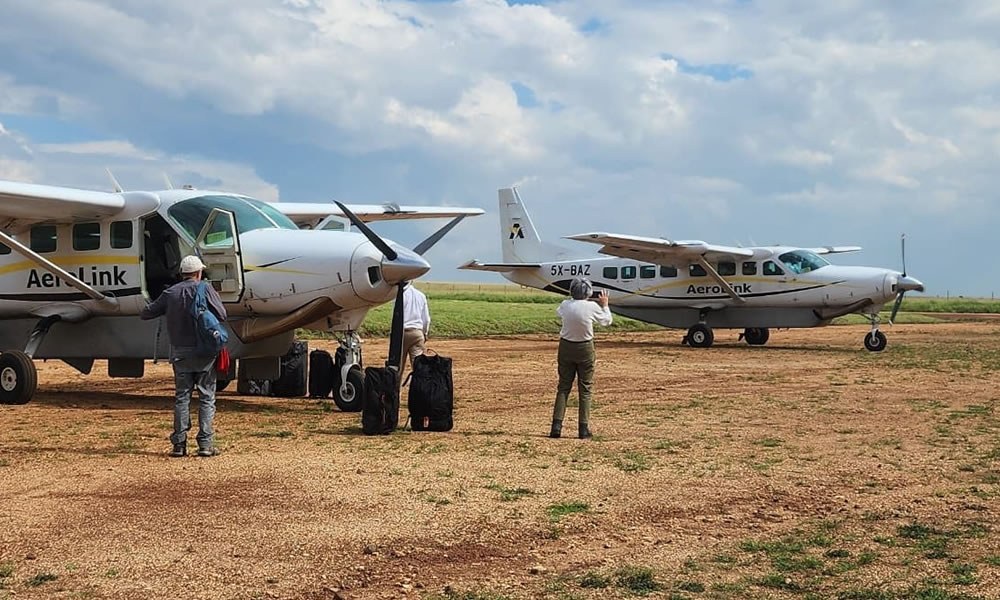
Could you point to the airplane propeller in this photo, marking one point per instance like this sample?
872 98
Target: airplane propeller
904 283
398 267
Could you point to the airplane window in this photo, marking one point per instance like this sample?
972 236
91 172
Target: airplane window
628 272
4 248
803 261
695 270
668 271
250 214
749 268
43 238
121 234
647 272
86 236
727 268
610 272
770 268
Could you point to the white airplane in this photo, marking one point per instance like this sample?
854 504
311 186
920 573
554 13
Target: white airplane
698 286
77 266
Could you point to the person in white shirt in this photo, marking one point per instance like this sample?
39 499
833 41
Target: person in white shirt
576 351
416 325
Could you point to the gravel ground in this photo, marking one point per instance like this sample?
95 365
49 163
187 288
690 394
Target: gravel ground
698 453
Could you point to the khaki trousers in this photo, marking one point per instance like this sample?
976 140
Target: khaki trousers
413 346
576 360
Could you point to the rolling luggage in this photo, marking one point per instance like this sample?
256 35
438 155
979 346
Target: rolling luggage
380 411
321 374
291 383
431 395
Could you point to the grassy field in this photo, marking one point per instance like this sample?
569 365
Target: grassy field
470 310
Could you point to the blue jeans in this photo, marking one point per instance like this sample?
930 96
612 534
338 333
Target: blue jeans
186 381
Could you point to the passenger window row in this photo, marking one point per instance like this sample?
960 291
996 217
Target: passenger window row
86 236
724 269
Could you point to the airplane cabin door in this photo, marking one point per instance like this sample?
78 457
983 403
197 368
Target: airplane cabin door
219 246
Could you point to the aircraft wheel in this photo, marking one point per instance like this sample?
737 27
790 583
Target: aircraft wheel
875 341
18 377
700 336
756 336
221 384
353 395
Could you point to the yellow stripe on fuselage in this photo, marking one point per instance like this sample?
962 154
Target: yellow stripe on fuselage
279 270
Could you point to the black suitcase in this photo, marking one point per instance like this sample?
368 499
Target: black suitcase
380 411
320 374
291 383
431 398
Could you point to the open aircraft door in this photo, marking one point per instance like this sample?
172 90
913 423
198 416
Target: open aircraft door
219 246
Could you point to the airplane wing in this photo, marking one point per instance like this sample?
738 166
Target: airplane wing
311 213
835 249
31 202
475 265
660 251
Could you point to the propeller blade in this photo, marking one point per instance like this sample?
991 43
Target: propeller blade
902 249
895 307
371 235
426 245
396 334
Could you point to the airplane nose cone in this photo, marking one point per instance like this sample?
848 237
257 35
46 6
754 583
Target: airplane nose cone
408 266
909 284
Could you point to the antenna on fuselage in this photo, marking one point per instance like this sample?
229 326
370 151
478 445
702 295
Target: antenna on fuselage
166 180
114 182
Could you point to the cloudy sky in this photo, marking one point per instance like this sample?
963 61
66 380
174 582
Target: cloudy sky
731 121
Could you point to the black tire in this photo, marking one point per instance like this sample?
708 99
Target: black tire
18 377
352 401
875 341
700 336
221 384
756 336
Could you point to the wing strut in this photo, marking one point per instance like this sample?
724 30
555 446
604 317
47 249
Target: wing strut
108 302
718 279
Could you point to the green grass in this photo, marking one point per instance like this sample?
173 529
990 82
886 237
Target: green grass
594 580
510 494
558 511
41 578
471 310
6 570
637 580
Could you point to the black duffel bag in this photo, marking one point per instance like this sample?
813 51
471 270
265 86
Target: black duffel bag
380 411
431 396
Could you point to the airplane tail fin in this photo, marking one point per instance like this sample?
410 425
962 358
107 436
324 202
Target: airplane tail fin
518 236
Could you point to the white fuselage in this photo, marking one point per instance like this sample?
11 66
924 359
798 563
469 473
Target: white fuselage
775 296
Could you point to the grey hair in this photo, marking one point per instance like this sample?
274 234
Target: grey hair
580 289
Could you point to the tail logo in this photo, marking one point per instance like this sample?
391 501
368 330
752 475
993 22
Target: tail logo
515 231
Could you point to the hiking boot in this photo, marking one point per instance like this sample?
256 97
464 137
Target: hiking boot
556 430
210 451
179 451
585 433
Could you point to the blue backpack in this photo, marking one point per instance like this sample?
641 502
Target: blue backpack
211 333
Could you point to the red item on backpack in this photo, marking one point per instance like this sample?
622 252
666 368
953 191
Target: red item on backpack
222 362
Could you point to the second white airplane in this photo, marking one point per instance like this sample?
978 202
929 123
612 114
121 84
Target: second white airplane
698 286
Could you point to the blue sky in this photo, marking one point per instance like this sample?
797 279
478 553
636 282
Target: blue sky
728 121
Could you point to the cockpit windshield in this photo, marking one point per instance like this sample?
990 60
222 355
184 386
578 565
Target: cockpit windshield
250 213
803 261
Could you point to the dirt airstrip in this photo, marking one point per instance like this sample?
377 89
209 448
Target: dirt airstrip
807 468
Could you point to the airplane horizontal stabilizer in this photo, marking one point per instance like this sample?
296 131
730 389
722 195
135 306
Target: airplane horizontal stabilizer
475 265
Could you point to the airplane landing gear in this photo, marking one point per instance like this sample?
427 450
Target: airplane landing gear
699 336
18 377
349 383
875 340
756 336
